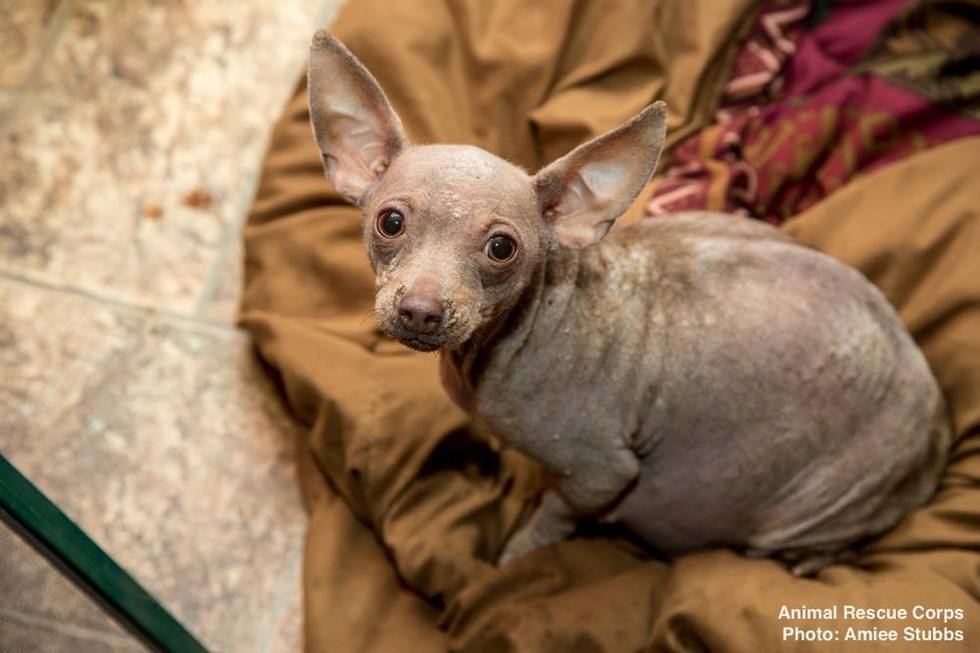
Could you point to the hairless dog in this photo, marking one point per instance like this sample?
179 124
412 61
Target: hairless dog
699 378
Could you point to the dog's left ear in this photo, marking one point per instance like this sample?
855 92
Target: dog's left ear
358 132
581 194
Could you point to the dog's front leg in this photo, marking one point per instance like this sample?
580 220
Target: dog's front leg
552 521
596 483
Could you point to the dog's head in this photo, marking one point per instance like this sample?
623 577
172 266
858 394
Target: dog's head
455 233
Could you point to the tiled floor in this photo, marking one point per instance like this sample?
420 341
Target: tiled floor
131 133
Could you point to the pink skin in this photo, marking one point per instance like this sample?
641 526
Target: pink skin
441 252
700 378
455 198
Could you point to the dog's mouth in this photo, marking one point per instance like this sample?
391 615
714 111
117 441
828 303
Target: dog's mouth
453 331
419 341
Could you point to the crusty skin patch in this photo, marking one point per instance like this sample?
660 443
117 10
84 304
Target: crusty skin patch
701 378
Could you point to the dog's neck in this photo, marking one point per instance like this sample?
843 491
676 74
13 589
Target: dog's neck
460 366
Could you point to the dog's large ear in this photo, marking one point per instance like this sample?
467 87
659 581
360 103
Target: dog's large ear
358 132
582 193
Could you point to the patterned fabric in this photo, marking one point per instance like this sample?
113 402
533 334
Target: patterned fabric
810 107
770 42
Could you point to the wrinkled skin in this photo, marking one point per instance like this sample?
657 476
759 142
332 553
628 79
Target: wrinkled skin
699 378
453 199
708 382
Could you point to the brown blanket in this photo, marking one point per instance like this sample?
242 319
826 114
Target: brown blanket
409 501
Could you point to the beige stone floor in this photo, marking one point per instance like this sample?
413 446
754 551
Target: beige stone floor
131 134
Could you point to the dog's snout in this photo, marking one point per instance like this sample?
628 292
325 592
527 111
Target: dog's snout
420 313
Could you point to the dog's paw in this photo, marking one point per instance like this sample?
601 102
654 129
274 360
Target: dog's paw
810 565
520 544
805 563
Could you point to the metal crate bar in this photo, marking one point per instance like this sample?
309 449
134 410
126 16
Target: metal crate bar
62 542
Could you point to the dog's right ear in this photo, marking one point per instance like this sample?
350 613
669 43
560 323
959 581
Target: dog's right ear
358 132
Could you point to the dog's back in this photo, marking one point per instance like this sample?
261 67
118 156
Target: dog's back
792 409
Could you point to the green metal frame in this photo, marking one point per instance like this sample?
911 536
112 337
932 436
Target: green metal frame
60 540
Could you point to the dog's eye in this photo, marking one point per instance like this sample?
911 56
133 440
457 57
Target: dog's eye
501 248
391 223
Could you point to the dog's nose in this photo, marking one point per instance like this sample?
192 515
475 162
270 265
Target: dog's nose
420 313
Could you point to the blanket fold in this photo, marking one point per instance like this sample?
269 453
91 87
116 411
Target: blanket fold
410 501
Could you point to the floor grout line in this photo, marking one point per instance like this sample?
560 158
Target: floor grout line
324 17
53 32
229 237
285 597
145 310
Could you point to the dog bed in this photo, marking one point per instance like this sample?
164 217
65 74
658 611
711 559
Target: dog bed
852 125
